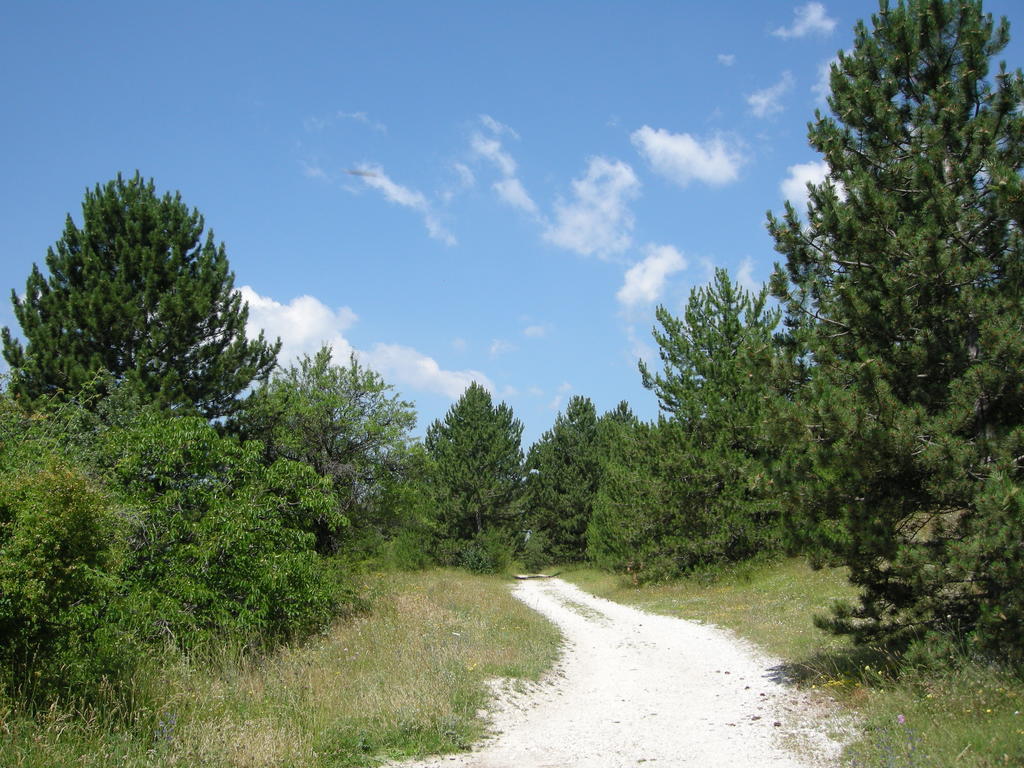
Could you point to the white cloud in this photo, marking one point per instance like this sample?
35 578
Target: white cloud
745 276
536 391
535 331
807 19
564 388
466 177
313 171
305 324
645 281
598 220
794 186
639 348
375 178
459 345
769 101
315 124
727 59
496 127
362 117
682 158
500 347
406 367
491 149
822 86
511 191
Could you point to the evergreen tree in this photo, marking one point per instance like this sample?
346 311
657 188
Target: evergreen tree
713 450
563 473
903 289
138 292
477 460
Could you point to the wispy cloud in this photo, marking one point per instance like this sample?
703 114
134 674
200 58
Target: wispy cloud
745 276
316 124
314 171
497 128
683 158
563 389
769 101
500 347
807 19
597 221
822 86
490 149
535 331
727 59
511 191
645 281
305 324
374 177
509 188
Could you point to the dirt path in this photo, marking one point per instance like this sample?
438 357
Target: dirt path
634 689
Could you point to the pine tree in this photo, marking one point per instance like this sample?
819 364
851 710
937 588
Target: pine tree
563 474
137 291
477 459
903 292
715 398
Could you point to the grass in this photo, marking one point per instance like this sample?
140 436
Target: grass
950 711
406 679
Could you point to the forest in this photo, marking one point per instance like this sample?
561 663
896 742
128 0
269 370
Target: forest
169 487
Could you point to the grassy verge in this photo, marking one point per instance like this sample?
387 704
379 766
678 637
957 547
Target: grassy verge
405 679
951 712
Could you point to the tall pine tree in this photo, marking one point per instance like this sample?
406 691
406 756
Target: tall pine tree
138 292
904 289
477 462
563 474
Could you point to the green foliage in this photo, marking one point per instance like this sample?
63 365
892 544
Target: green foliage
57 565
535 552
691 490
344 422
476 465
902 292
138 292
563 473
488 552
220 543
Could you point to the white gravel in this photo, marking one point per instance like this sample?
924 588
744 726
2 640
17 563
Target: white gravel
635 689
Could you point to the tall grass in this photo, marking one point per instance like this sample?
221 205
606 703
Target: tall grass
406 678
943 708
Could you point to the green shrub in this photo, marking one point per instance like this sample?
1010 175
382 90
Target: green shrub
535 552
220 543
56 582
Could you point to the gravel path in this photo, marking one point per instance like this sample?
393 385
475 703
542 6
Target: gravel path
635 689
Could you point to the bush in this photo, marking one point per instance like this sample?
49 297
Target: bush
490 552
535 552
56 582
220 544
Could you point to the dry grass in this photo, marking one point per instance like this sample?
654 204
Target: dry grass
406 679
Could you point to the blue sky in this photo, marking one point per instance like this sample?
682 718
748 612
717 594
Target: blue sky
532 178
